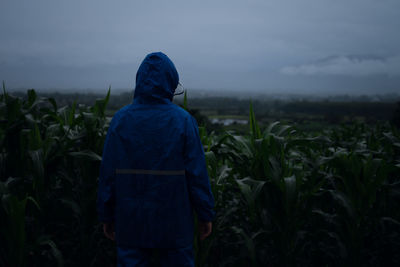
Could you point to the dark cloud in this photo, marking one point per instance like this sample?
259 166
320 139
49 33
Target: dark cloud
214 44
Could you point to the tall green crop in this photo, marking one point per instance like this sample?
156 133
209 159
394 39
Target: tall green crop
283 197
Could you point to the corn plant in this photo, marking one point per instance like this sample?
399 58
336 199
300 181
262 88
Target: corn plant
283 197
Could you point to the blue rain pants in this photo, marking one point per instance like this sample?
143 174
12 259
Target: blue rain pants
140 257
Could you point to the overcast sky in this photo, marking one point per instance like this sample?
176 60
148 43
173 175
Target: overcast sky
342 46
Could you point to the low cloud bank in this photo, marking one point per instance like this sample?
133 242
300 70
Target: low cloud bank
352 65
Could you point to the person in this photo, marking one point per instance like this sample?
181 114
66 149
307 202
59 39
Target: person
153 173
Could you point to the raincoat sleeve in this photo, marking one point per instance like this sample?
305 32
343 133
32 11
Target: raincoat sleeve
196 173
106 189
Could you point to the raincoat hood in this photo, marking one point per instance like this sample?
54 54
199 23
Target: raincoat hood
156 80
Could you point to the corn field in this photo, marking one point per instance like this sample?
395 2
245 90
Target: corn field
283 197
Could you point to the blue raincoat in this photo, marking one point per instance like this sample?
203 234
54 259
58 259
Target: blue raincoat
153 173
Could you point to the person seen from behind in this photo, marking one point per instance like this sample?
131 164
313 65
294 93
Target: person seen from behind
153 174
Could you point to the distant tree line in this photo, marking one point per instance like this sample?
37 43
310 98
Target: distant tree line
296 110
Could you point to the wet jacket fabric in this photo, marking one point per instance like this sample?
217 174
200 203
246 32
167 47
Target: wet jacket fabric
153 172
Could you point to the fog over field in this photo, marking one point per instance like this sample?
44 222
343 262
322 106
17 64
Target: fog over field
291 47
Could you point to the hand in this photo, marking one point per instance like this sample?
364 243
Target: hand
108 229
204 229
